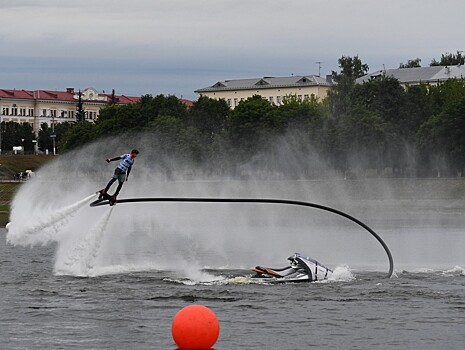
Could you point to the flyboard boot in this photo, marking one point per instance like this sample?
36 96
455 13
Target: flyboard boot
101 194
112 199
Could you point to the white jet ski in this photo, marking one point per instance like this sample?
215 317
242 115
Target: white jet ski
301 269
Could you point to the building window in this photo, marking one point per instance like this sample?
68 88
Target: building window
305 97
235 102
71 114
14 111
278 100
44 113
5 111
229 102
22 111
271 99
299 97
53 113
30 112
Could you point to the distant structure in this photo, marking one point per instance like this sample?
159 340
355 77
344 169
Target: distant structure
273 89
414 76
47 106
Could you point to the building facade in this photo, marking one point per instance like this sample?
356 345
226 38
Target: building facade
45 106
273 89
415 76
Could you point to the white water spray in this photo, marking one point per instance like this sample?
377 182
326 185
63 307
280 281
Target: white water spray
53 208
79 257
46 228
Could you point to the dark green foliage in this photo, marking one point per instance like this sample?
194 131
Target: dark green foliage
339 95
378 127
80 112
16 134
252 124
76 136
442 137
363 136
449 59
113 99
411 63
45 142
209 116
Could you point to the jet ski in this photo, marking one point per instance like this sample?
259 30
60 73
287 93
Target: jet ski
300 269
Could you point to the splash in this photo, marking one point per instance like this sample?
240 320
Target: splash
455 271
341 273
47 227
52 208
78 259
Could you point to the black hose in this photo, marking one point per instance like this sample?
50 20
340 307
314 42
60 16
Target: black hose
259 200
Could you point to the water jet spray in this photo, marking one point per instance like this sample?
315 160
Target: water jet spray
260 200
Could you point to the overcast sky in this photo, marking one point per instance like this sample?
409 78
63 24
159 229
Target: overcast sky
178 46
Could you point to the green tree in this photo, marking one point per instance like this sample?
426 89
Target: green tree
44 139
363 137
137 116
306 118
387 99
414 63
417 109
17 134
80 112
449 59
302 139
76 136
113 99
344 82
190 146
206 123
446 93
384 96
442 138
209 116
251 124
45 142
116 119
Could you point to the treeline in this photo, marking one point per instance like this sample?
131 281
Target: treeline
377 128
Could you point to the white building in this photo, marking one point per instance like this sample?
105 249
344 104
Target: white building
414 76
273 89
44 106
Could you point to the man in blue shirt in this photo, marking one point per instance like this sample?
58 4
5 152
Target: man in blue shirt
121 173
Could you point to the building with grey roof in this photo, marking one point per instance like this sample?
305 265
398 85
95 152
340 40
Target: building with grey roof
273 89
417 75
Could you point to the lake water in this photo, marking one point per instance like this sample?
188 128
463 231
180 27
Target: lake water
127 296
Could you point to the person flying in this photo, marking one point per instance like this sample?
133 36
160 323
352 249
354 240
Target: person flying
121 174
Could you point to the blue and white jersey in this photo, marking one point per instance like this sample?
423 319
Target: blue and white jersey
126 162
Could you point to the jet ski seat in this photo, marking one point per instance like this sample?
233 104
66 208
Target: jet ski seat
277 272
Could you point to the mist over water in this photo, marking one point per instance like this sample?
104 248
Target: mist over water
421 220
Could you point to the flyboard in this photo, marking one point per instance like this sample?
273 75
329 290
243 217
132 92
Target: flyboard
103 198
106 201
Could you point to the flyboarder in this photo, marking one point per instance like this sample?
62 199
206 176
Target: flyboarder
121 174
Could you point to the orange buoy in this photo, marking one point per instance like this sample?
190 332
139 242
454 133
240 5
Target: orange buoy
195 327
